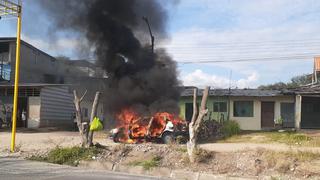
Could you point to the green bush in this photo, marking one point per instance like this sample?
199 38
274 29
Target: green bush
70 156
230 128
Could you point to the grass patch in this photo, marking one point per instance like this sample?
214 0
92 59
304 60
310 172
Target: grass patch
181 149
230 128
148 164
69 156
290 138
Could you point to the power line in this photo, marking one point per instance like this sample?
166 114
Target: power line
292 58
255 42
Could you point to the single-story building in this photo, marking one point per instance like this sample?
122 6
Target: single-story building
46 105
307 107
253 109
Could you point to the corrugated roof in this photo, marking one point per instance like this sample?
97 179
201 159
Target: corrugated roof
31 85
236 92
311 89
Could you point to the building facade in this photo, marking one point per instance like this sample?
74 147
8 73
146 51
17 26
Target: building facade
53 80
253 109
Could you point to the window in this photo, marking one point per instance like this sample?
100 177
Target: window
220 107
189 111
243 109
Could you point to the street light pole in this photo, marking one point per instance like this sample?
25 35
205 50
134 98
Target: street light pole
8 8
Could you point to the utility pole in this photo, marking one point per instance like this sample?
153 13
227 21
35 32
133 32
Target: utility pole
151 35
13 9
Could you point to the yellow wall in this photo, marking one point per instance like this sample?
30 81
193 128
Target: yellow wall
254 123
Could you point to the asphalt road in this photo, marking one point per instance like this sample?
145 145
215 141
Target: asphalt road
17 169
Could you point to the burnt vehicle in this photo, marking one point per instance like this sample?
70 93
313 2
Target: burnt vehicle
162 127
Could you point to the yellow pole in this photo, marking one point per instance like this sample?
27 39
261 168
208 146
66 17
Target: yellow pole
16 84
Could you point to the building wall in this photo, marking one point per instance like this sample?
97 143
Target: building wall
254 123
39 67
34 107
57 107
246 123
211 114
87 106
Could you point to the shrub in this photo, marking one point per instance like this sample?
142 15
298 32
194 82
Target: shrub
70 156
230 128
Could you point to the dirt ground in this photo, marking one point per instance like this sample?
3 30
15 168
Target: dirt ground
42 140
237 159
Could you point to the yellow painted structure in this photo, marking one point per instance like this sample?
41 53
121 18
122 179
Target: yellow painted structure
8 8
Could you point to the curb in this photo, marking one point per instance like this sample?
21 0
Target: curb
160 172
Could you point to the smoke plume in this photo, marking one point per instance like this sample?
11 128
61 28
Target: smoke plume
137 77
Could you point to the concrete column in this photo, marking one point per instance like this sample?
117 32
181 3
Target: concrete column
298 112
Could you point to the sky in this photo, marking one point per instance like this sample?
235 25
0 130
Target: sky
275 40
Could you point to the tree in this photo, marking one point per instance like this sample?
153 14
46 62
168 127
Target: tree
196 121
84 127
295 82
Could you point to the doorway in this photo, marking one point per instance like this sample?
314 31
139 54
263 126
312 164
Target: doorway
267 114
287 114
22 106
310 113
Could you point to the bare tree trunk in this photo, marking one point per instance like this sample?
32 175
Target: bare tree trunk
93 115
82 126
196 122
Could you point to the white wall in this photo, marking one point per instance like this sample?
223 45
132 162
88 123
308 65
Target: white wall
254 123
34 104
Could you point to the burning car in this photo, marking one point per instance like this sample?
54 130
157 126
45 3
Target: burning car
164 127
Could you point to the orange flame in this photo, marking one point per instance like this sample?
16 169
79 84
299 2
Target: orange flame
135 128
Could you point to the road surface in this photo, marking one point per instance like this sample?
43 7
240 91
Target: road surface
18 169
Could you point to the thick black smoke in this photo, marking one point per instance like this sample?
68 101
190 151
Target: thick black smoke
137 76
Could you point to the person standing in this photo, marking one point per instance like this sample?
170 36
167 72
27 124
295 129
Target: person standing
24 118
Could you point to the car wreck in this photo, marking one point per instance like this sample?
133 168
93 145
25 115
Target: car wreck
161 127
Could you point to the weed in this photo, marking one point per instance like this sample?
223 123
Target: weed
202 155
70 156
181 149
282 161
148 164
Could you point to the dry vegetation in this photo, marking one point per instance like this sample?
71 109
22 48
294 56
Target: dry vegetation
289 138
258 162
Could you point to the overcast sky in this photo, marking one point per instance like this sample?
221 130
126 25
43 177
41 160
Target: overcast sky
279 37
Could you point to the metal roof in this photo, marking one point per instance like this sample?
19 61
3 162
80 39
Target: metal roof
13 39
236 92
32 85
310 89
